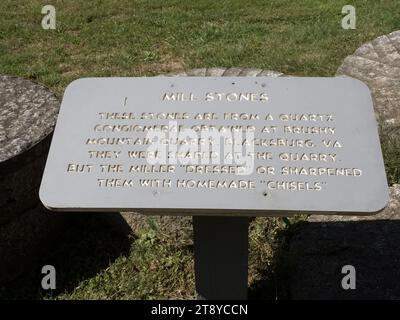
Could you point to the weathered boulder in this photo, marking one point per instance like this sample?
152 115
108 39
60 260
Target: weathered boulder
377 63
28 113
225 72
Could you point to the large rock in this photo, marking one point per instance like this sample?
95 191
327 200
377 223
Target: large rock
325 244
377 63
28 114
225 72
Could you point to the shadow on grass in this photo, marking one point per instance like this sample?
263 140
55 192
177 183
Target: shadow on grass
309 261
273 282
82 245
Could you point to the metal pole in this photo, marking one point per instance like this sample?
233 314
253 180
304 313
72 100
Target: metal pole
221 257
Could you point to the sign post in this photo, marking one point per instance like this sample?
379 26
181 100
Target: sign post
221 149
221 252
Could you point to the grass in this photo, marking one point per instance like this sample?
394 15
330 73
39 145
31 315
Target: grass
149 271
137 38
144 38
390 143
160 264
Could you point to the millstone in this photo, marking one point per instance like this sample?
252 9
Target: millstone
225 72
28 113
377 63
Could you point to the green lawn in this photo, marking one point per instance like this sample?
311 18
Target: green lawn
138 38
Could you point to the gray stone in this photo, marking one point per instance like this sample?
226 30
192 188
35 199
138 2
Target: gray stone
250 72
270 73
215 72
197 72
395 38
377 63
232 72
227 72
28 113
181 74
321 247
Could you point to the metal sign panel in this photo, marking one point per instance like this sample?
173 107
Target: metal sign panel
216 145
